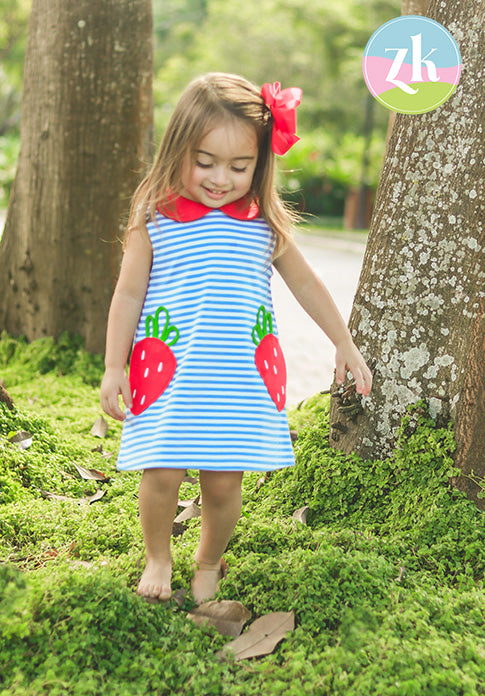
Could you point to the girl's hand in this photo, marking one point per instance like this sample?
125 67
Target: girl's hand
348 357
115 383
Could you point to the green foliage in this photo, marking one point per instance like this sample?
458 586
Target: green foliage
13 32
87 633
9 151
66 356
317 46
324 166
404 506
386 580
14 15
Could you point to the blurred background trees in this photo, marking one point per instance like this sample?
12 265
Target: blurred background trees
87 135
86 132
317 46
14 16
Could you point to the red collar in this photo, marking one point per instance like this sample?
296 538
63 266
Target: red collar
184 210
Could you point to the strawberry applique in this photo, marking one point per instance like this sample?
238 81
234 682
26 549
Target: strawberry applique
152 363
269 358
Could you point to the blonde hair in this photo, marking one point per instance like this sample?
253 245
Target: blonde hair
207 101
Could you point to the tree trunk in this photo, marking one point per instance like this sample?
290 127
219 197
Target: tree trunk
86 129
409 7
419 306
415 7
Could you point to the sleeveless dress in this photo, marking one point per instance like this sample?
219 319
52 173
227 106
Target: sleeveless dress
207 374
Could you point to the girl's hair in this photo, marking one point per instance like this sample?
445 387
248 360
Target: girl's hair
205 103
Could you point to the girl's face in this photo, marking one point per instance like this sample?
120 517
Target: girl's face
224 165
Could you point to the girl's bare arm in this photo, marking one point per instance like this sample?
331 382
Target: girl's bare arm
311 293
123 317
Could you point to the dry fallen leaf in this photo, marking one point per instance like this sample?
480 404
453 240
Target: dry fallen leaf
65 499
5 398
96 496
100 428
190 513
301 514
262 636
22 439
178 528
188 503
52 496
91 474
79 564
263 480
62 498
99 449
179 596
227 616
190 479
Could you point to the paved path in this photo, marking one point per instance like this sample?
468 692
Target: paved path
309 353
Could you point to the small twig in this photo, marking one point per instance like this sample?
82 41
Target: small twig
6 399
477 480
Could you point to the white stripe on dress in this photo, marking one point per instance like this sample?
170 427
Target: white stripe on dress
212 275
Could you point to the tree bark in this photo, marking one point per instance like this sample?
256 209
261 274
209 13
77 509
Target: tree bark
85 132
419 306
409 7
414 7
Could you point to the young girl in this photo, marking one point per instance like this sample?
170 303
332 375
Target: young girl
207 378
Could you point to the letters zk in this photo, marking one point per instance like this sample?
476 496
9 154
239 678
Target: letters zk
418 61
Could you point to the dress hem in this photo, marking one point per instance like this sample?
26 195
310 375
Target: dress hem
208 468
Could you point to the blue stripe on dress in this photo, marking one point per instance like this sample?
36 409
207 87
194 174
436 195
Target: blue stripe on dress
212 275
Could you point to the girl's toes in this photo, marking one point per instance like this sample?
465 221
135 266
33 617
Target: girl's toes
164 593
154 583
155 593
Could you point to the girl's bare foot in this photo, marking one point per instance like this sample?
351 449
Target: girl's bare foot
155 582
205 581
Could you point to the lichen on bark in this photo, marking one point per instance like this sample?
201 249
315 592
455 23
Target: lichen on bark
421 293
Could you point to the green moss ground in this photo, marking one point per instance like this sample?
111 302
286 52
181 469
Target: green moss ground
386 580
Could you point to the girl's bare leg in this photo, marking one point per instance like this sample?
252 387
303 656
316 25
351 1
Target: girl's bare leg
158 497
221 508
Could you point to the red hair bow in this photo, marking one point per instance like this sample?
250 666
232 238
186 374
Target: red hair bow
283 108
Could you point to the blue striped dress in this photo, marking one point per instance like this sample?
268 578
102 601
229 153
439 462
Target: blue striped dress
212 274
